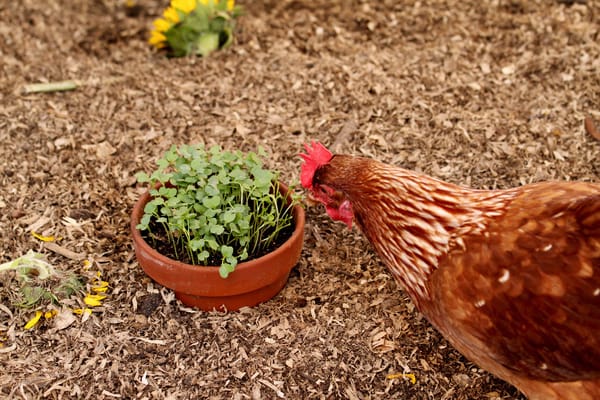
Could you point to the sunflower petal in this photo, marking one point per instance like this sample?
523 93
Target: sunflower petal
162 25
171 15
157 39
94 300
33 321
411 377
187 6
81 311
101 284
42 237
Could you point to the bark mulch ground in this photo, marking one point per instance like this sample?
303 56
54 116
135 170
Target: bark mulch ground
489 94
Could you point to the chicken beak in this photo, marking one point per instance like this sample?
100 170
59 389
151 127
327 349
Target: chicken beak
311 200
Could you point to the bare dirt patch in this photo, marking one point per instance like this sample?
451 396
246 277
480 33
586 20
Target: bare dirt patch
488 94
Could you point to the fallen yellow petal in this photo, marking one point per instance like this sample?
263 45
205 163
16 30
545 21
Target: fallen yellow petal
50 314
94 300
33 321
412 377
42 237
101 283
99 286
81 311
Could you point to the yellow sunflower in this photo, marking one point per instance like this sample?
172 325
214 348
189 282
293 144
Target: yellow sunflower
171 17
175 13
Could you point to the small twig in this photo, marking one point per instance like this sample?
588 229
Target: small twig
63 251
109 394
152 341
51 87
62 86
268 384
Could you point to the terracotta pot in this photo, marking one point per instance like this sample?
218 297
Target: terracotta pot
251 283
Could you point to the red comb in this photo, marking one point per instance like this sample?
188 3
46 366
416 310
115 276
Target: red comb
315 156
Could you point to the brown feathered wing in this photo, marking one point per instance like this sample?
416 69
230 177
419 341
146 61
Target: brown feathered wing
526 294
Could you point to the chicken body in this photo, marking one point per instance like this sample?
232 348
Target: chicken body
511 278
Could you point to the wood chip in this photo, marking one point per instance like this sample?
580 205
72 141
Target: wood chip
590 128
64 251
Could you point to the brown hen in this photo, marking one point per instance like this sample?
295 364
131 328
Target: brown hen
511 278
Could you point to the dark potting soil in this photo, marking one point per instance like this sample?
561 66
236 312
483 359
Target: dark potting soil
159 241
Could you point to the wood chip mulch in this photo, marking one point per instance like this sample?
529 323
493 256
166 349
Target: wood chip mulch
488 94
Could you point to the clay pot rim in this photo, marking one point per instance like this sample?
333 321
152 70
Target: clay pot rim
138 210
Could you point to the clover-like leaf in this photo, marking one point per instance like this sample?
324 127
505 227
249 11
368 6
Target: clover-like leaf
144 222
211 189
142 177
262 177
203 255
211 202
172 202
226 269
238 174
244 223
212 243
184 169
217 229
160 176
163 163
150 207
226 251
193 224
228 216
196 244
171 155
